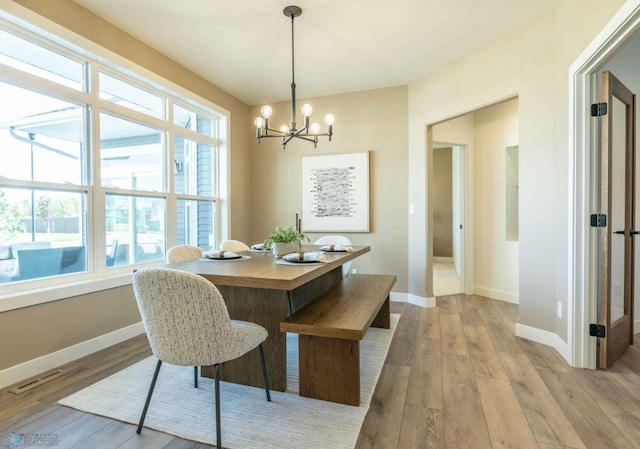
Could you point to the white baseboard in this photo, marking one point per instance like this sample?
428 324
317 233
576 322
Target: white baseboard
47 362
442 259
498 294
413 299
546 338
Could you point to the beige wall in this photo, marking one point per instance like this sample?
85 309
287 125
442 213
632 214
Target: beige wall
532 63
39 330
374 120
443 202
496 259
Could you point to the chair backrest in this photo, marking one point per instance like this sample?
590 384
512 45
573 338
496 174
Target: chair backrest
333 240
185 317
38 263
182 253
73 259
337 240
233 245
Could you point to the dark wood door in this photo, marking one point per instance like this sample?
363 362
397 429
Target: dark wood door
617 187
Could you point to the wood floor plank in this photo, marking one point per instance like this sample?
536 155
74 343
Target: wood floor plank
452 339
429 326
425 380
613 400
546 419
403 342
543 356
111 436
464 423
508 427
469 311
484 357
421 427
382 425
593 426
148 439
553 446
447 304
80 429
502 333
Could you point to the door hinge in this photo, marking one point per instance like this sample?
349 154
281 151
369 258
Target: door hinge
597 330
598 109
598 221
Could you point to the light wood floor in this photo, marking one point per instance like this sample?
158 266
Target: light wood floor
455 377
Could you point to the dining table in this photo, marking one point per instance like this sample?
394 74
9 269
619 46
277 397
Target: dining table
259 288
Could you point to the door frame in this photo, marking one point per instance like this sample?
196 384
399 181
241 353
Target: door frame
582 264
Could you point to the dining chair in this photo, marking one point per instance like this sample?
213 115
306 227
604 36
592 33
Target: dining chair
233 246
337 240
182 253
187 323
111 257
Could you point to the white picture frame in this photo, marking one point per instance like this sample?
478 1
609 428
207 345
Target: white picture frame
335 193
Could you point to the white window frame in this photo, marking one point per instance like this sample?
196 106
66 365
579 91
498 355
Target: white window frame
97 277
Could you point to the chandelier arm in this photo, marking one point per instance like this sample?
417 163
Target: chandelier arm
288 139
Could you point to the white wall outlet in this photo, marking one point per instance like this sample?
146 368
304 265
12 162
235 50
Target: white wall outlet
354 271
412 209
559 310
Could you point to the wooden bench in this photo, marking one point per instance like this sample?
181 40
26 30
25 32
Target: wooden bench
329 332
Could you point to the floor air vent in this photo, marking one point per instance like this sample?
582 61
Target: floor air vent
32 383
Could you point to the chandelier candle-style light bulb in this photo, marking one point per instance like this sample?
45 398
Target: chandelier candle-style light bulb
314 128
307 132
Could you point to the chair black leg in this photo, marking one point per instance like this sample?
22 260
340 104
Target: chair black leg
146 404
264 373
195 376
216 375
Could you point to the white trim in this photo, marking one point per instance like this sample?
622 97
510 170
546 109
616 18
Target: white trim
12 301
581 297
544 337
416 300
47 362
442 259
498 294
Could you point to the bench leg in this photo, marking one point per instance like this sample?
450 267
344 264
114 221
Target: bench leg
383 318
329 369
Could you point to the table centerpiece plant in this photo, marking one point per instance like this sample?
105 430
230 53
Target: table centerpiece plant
284 241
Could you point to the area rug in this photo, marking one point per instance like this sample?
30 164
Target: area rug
248 420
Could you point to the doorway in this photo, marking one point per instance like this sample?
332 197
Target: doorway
487 142
448 218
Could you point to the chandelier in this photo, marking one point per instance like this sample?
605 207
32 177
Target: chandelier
308 132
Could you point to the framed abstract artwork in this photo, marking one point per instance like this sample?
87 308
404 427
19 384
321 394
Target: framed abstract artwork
335 193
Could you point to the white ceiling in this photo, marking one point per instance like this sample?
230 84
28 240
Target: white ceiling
244 46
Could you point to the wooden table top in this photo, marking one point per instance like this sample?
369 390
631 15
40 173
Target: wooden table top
262 271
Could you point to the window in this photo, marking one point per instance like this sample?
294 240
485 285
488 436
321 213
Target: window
101 172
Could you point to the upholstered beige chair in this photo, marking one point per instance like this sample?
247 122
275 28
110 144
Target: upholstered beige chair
233 246
187 323
337 240
182 253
